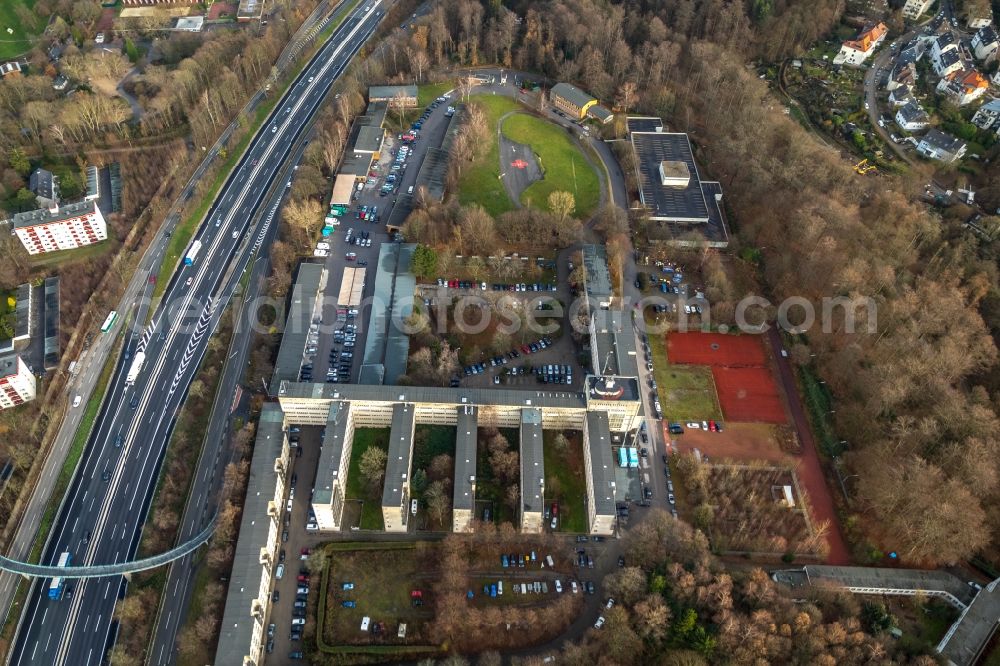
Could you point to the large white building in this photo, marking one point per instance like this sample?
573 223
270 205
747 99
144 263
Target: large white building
17 384
60 227
914 8
856 51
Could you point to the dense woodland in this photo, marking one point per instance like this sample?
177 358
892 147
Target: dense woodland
917 400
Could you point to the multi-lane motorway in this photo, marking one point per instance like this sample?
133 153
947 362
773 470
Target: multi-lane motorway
101 519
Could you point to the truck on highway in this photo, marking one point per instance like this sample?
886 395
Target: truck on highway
133 371
58 584
192 253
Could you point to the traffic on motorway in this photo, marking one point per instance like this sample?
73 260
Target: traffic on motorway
101 518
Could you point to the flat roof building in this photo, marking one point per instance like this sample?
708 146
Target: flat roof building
60 227
330 488
393 96
463 506
671 189
369 140
532 471
242 636
396 493
302 321
600 474
571 100
24 309
351 287
17 384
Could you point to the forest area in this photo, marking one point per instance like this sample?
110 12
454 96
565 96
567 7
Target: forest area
916 400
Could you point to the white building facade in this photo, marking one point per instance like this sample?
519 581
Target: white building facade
17 384
60 228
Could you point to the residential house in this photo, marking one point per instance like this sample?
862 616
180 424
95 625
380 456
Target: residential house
985 43
911 117
963 86
903 75
937 145
44 186
8 68
945 54
571 100
988 115
913 9
900 96
60 82
856 51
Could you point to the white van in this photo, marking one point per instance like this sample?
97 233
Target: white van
365 621
548 560
500 587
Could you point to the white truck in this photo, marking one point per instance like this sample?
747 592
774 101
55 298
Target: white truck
133 371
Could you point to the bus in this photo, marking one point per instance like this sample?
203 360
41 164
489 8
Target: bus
109 322
57 585
633 457
622 457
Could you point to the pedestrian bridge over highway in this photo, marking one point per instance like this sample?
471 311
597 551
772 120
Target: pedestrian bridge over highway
29 570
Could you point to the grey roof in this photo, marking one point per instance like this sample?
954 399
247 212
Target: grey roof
51 322
992 106
628 385
374 114
436 394
369 139
46 216
532 461
945 40
986 35
93 182
245 578
599 112
356 164
911 112
387 93
397 466
644 124
24 308
572 94
943 142
42 183
949 58
331 451
8 364
598 279
615 344
602 469
668 203
378 320
397 344
300 317
465 457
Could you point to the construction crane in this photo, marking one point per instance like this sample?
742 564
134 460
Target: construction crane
863 167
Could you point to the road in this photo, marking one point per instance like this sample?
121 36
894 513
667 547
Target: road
109 497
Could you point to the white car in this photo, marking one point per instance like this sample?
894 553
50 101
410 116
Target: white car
558 586
274 128
693 425
280 571
322 246
599 623
611 602
236 234
413 507
573 585
321 253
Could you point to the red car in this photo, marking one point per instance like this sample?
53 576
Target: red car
555 509
712 427
303 578
416 594
526 349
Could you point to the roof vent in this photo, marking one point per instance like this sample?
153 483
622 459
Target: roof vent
674 174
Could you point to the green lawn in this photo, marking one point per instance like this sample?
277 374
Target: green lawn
429 92
564 482
480 181
371 513
20 37
60 257
563 164
687 392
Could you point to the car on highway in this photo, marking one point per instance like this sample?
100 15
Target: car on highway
188 282
274 128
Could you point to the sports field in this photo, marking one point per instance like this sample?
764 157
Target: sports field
563 165
16 31
743 379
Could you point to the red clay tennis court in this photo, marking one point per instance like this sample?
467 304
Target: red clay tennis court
715 349
743 380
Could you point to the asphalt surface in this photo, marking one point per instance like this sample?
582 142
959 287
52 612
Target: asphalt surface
109 496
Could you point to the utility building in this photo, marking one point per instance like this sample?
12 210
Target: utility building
571 100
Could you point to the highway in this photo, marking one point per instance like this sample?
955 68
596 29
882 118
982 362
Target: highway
102 517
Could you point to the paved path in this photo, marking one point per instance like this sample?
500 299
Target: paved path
810 471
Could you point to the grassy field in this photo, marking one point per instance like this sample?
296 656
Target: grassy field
429 92
382 581
564 482
563 164
16 35
50 259
426 94
687 392
480 182
371 513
